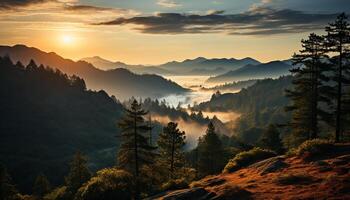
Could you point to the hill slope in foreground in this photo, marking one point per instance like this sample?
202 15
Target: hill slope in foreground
277 178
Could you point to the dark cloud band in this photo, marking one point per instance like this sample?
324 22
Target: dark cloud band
257 21
9 4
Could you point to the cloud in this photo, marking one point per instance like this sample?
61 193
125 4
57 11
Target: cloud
168 3
58 11
256 21
86 8
11 4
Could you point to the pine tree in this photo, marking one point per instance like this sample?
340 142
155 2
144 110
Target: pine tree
135 150
210 152
7 190
78 174
270 139
338 41
41 186
171 142
309 88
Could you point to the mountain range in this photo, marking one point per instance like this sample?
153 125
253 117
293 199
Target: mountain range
197 66
272 69
119 82
105 64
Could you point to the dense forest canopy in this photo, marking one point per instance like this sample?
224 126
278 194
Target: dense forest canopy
46 116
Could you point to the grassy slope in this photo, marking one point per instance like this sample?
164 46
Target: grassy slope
323 178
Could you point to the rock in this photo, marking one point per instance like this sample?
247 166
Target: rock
209 181
230 192
270 165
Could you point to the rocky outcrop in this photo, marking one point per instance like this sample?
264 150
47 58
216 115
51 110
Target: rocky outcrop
270 165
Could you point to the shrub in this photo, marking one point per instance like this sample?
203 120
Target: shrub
59 193
291 179
176 184
312 148
108 184
246 158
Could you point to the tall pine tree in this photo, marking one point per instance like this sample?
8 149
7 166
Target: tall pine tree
78 174
171 142
309 89
135 150
338 40
210 153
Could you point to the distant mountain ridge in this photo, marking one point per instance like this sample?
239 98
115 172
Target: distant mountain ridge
197 66
119 82
272 69
105 64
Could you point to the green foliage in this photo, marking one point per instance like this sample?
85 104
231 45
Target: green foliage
338 43
171 143
78 173
135 151
309 88
210 151
59 193
246 158
41 186
315 147
293 179
270 139
108 184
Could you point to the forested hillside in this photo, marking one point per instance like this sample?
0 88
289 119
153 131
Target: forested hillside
260 104
119 82
267 93
46 117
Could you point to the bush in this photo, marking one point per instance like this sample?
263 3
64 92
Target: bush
108 184
246 158
176 184
315 147
59 193
291 179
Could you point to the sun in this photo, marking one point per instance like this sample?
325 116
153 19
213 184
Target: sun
67 39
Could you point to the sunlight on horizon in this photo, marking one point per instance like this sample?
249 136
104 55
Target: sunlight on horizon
67 39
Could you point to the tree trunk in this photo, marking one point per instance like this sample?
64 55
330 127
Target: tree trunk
339 95
172 156
137 191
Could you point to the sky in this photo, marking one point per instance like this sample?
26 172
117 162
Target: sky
157 31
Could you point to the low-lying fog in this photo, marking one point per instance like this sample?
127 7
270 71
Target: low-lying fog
191 82
193 129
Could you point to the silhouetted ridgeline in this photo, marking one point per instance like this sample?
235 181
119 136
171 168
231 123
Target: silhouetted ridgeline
197 66
272 69
46 116
119 82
